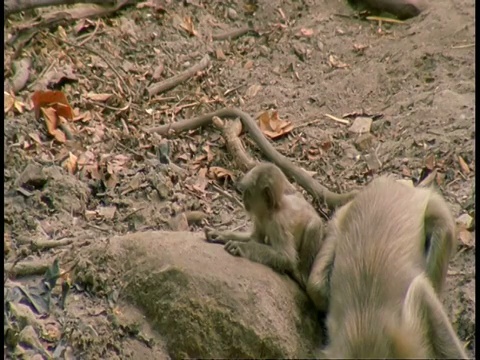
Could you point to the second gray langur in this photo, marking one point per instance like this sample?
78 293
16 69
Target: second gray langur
379 272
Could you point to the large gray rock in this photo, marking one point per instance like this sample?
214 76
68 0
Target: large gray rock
206 303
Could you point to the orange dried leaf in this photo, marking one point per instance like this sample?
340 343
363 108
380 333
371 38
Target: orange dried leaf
187 25
59 135
55 99
51 120
463 165
71 163
10 103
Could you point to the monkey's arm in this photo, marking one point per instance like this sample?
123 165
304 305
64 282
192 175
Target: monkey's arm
281 260
222 237
423 310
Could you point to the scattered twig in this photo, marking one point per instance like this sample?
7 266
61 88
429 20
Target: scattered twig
308 123
381 19
334 118
230 131
463 46
179 78
50 244
227 195
87 39
233 34
14 6
122 80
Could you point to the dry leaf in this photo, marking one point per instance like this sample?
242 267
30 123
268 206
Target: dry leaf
10 103
54 99
59 135
71 163
51 120
220 173
272 126
359 47
248 65
430 162
253 90
466 238
35 137
107 212
306 32
187 25
98 97
361 125
463 165
336 63
84 117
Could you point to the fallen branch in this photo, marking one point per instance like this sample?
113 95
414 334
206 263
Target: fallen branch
14 6
178 79
230 131
27 268
233 34
50 244
314 188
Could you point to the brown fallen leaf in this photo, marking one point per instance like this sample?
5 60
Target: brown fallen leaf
218 173
52 122
272 126
54 99
430 162
187 25
463 165
253 90
71 163
336 63
306 32
10 103
466 238
107 212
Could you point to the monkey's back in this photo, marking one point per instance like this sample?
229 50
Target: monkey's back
378 247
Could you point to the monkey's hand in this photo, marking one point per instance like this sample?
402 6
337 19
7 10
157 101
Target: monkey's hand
236 248
214 236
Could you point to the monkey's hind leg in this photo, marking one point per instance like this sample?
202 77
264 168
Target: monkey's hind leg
439 238
318 284
422 310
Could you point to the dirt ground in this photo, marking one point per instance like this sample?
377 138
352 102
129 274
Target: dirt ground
308 59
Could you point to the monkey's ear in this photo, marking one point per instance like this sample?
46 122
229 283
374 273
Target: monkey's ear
424 314
269 197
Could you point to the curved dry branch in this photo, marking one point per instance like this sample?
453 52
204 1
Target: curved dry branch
314 188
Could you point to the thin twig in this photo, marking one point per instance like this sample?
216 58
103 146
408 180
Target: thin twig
334 118
227 195
179 78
